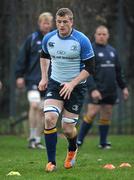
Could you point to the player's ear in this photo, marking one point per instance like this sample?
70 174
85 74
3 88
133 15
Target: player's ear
72 21
108 36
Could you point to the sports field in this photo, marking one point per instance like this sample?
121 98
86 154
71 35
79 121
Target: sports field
14 156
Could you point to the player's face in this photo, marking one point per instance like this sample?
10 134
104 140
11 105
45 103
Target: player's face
45 25
101 36
64 25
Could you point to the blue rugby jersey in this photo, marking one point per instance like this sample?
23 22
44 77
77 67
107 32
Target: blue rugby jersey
67 54
108 71
28 62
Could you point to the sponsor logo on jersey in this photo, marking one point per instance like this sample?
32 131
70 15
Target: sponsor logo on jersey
108 65
74 48
112 54
60 52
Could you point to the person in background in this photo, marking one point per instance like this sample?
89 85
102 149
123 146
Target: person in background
28 73
102 87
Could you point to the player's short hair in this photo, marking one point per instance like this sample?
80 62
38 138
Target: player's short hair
63 12
101 27
45 15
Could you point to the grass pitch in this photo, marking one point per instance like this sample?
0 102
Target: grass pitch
15 156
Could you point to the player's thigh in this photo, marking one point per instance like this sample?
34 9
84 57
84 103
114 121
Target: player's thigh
106 111
76 100
92 110
53 102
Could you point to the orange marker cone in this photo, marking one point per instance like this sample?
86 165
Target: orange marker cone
109 166
125 165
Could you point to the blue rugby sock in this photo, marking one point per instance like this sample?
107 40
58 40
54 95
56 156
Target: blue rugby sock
84 128
51 141
103 130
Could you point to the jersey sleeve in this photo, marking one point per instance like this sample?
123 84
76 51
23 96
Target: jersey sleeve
86 49
21 64
120 75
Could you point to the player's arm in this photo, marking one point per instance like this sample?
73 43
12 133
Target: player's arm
88 70
121 80
87 57
91 85
68 87
21 63
44 64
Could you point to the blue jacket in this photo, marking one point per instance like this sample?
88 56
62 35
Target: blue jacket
28 63
108 73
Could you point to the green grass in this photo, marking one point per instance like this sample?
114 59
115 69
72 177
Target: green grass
14 156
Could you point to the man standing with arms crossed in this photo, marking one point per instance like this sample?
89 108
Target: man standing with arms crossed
103 87
28 73
71 56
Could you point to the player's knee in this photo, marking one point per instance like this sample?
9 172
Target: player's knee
34 105
109 113
68 126
50 121
91 114
51 116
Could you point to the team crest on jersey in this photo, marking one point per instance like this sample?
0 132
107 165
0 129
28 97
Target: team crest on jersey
108 62
112 54
101 54
51 44
49 94
74 47
75 107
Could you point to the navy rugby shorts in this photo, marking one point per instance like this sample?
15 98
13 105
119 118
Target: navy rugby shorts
74 104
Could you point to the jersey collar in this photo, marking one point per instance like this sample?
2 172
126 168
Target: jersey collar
66 37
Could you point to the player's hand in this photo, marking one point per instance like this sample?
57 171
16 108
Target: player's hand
20 83
96 95
66 90
43 84
125 93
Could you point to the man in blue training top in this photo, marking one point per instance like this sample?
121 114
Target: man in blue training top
71 56
103 87
28 74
